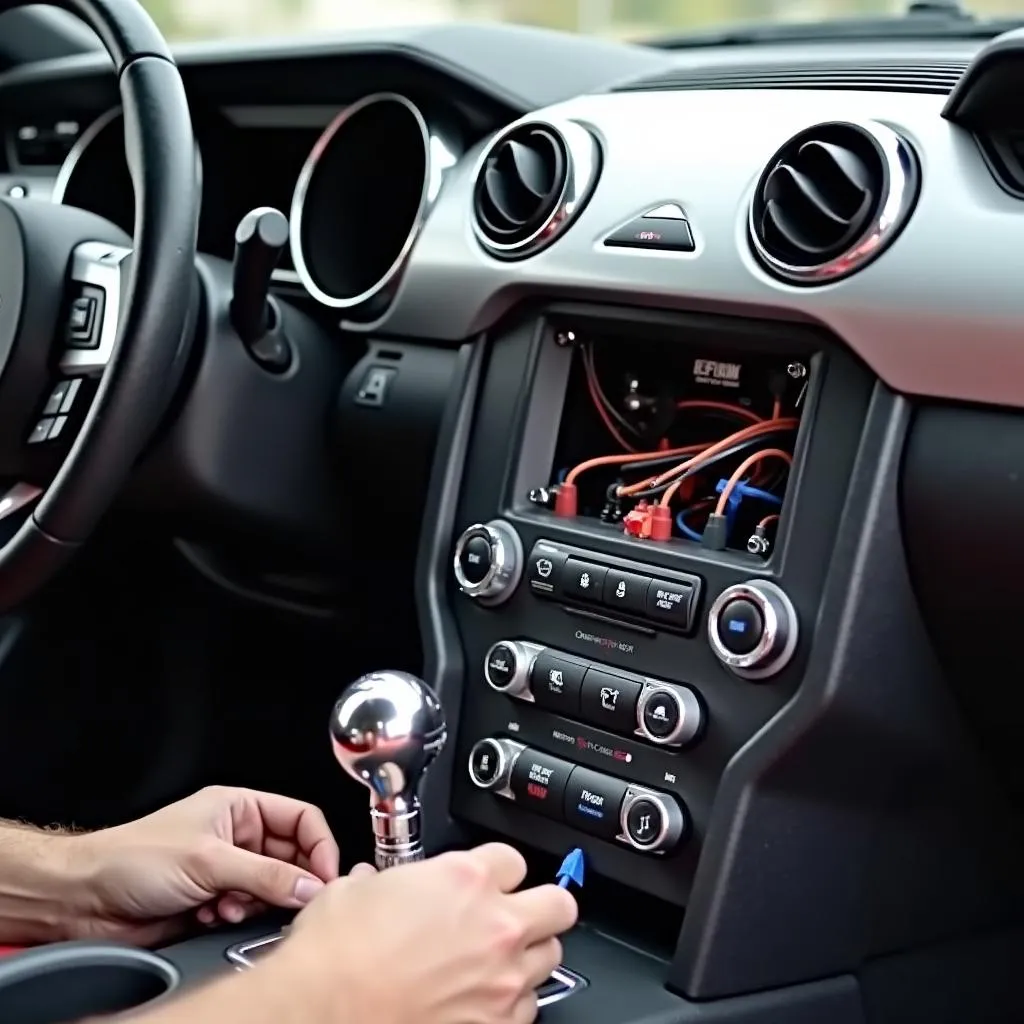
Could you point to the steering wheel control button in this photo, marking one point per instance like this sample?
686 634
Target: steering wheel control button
56 399
538 783
84 318
488 562
544 568
671 603
741 626
651 822
556 684
583 581
41 431
609 701
58 428
593 803
491 762
665 234
753 628
669 715
626 591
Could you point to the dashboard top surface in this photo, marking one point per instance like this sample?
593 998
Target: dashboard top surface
910 315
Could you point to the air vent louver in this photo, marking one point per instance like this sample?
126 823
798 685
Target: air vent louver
532 180
830 199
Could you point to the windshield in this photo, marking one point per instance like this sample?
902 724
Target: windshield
622 19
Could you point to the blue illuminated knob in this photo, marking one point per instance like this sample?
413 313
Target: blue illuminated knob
752 628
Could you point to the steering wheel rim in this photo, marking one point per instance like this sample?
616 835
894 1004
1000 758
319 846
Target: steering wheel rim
153 293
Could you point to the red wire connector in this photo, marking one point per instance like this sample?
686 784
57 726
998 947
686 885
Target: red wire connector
638 521
566 501
661 522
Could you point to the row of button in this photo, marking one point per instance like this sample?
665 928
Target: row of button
55 413
556 572
667 714
597 804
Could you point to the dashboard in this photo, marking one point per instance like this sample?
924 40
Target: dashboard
704 372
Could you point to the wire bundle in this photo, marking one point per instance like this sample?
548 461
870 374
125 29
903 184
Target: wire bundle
669 476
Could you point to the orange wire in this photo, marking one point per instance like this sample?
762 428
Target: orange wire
767 520
735 410
741 469
706 452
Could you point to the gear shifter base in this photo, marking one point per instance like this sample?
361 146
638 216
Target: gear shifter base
396 837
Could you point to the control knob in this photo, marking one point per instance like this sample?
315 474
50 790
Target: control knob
670 716
491 762
508 665
651 822
752 628
489 562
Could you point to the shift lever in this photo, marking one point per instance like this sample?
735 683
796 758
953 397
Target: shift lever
386 730
260 239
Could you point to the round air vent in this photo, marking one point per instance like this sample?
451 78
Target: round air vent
831 199
533 179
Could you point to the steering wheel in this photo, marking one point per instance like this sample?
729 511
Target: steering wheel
93 323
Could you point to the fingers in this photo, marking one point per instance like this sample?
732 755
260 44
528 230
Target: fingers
540 960
503 866
362 870
525 1010
546 911
303 825
224 868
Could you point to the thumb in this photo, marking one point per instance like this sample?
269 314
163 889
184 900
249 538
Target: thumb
273 881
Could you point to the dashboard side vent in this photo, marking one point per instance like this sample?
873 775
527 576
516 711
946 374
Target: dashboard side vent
935 77
831 199
533 179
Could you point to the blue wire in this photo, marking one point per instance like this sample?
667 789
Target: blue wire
756 492
685 530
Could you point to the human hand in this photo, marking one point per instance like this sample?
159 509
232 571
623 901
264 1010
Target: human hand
221 853
458 942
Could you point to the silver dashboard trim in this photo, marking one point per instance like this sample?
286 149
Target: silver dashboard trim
438 156
901 193
77 151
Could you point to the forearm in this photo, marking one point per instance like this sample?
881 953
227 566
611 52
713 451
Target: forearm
37 884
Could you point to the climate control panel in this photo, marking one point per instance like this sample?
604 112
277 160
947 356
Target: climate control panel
592 802
625 703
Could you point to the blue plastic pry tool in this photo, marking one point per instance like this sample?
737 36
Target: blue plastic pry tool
571 869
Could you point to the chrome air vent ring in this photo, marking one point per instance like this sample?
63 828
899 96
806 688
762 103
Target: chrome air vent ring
831 199
530 184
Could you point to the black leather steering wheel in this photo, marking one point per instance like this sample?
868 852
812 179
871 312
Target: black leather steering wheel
80 301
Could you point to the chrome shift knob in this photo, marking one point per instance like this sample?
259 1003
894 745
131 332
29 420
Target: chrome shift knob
386 729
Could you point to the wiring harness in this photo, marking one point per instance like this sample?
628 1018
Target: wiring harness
690 490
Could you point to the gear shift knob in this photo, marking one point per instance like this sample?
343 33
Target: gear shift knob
386 729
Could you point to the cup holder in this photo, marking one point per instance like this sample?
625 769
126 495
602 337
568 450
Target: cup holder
70 981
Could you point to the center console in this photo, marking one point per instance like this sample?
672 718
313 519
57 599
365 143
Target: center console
619 648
